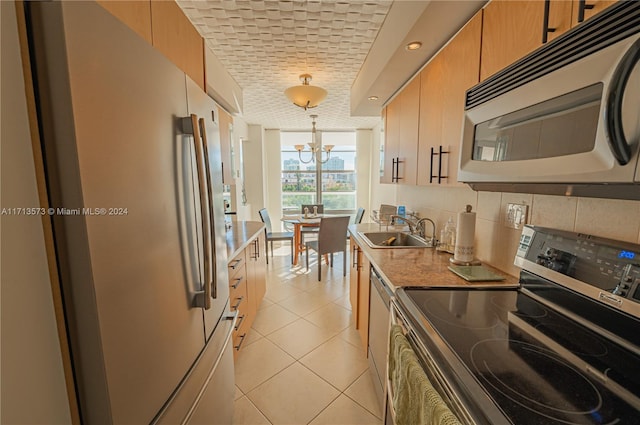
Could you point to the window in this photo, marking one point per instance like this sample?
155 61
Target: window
334 185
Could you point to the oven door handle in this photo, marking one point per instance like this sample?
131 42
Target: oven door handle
613 114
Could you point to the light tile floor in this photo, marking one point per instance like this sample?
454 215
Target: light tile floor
303 362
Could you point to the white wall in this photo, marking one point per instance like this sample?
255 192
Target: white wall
272 177
253 173
32 388
364 143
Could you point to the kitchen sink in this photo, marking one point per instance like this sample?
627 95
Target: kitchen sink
394 240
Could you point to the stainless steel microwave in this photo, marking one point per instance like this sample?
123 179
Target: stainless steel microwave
564 120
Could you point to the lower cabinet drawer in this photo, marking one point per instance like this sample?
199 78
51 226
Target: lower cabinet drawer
240 332
237 288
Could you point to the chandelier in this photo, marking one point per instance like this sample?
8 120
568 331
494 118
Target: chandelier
314 146
305 95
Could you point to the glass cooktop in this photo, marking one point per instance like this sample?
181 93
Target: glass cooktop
537 365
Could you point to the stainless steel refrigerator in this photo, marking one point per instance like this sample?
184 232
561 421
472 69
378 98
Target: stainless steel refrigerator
133 171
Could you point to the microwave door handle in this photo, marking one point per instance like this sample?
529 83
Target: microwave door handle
613 113
213 289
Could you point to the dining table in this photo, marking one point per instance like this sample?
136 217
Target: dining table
299 221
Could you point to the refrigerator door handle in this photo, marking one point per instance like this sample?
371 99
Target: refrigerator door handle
213 289
202 299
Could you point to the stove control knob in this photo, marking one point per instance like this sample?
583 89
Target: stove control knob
627 278
623 286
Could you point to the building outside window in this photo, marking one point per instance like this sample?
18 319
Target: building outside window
335 184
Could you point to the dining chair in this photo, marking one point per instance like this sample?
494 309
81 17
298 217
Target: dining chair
332 237
357 220
274 236
359 216
310 230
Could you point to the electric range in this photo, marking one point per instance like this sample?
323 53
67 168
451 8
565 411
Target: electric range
563 347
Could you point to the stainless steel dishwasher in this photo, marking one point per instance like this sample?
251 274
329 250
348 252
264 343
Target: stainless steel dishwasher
378 332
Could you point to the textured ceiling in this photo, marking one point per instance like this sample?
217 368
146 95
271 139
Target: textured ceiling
265 45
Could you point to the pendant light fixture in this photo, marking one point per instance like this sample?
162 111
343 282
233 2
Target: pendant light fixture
305 95
314 145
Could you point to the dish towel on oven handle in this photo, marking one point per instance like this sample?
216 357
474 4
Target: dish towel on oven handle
415 401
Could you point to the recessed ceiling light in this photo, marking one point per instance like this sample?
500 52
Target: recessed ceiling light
414 45
373 98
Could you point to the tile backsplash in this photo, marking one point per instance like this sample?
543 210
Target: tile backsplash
496 244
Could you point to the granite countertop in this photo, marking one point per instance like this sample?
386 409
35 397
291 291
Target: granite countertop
402 267
240 234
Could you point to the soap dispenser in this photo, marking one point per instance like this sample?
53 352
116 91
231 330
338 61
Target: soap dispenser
449 239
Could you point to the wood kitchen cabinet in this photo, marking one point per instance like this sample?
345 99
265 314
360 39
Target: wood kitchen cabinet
247 286
238 299
391 140
401 136
177 39
135 14
226 123
165 26
256 272
359 292
512 29
430 122
444 82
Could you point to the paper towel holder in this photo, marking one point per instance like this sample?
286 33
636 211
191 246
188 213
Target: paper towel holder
457 261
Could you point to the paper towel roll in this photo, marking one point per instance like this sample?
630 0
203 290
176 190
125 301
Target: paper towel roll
465 235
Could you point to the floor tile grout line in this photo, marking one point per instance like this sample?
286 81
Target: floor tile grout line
340 282
356 401
264 415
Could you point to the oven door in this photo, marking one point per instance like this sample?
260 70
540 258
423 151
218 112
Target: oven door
443 377
578 124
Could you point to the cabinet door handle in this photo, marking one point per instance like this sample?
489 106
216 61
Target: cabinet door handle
235 263
239 322
235 307
582 6
545 22
440 154
431 176
354 257
237 347
238 280
395 171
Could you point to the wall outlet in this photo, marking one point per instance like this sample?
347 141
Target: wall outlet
515 216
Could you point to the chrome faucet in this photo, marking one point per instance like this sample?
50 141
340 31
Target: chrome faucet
412 224
421 229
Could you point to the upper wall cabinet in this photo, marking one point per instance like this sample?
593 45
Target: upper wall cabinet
174 36
400 164
586 9
136 14
164 25
444 82
512 29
